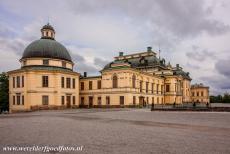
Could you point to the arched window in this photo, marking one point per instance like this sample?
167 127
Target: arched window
134 81
115 83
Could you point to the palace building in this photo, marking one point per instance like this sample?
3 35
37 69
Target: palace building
46 80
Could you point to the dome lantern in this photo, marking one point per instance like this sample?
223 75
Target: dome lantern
48 32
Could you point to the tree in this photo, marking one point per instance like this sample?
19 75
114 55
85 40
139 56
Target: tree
4 92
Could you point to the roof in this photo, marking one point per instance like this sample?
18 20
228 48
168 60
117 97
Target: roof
46 48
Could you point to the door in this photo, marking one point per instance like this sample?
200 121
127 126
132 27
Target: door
68 101
90 101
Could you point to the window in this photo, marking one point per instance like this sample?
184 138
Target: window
134 81
73 83
162 100
99 84
24 63
122 100
62 100
141 85
192 93
45 82
107 100
115 81
22 81
162 89
197 94
82 86
13 100
157 88
202 93
99 100
90 85
73 100
22 100
62 82
167 88
18 100
147 87
63 64
152 88
13 82
18 81
45 61
45 100
67 82
82 100
47 34
134 100
157 100
152 100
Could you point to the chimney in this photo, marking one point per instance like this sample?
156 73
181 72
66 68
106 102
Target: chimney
85 74
149 49
121 53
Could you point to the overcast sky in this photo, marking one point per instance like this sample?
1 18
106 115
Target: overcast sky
193 33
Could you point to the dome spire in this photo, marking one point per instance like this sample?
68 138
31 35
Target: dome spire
48 32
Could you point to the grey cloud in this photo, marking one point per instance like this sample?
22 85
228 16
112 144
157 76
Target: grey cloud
13 45
200 55
181 17
223 67
100 62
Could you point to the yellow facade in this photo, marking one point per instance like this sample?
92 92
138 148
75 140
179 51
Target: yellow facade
200 93
46 80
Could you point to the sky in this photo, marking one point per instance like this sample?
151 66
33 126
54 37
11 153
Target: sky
194 34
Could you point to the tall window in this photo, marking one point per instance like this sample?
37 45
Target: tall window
202 93
22 100
62 82
99 100
18 81
45 100
45 61
82 86
73 83
67 82
134 81
122 100
62 100
107 100
74 101
197 94
99 84
45 81
13 82
18 100
141 86
22 81
13 100
114 81
167 88
152 100
90 85
157 88
152 88
147 87
134 100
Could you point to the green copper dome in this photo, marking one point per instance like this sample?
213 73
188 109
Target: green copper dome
46 48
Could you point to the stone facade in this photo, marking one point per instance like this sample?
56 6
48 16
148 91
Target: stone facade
46 80
200 93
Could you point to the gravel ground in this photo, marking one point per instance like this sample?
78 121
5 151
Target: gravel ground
120 131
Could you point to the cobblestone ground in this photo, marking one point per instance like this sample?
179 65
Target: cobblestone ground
120 131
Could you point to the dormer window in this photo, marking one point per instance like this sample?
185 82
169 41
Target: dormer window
45 61
63 64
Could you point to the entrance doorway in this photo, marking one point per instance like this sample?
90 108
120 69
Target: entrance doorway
90 101
68 101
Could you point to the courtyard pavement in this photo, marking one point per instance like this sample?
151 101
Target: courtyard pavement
119 131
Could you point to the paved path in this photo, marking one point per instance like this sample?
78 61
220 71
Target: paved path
136 131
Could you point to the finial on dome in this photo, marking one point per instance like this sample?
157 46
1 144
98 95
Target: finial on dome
48 32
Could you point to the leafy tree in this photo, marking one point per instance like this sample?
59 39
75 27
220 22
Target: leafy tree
4 92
